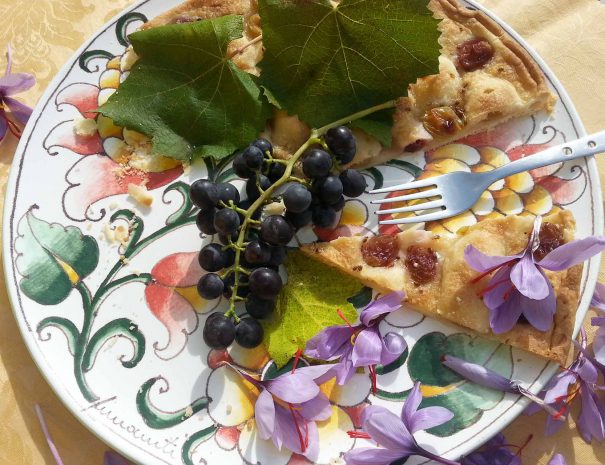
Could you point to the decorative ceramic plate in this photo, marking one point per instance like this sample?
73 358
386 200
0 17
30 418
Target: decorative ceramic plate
113 319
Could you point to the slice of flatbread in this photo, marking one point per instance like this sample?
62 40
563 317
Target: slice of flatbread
449 294
485 78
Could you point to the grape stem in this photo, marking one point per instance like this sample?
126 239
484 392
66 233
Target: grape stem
315 138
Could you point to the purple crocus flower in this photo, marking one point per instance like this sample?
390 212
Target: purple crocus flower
557 459
483 376
360 345
519 285
288 407
12 84
395 434
598 343
581 379
496 451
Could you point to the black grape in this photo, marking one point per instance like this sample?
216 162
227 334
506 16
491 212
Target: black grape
276 171
257 253
317 163
264 145
252 189
275 230
219 331
205 221
227 192
265 283
330 189
203 193
254 157
241 168
324 216
259 308
341 142
212 257
353 183
249 333
299 220
297 198
210 286
226 221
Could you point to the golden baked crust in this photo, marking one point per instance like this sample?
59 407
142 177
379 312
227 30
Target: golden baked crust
511 85
451 296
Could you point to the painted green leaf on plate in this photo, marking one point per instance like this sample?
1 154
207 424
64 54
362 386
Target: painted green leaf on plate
324 61
52 259
443 387
187 94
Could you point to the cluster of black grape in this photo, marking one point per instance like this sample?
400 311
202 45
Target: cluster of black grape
255 278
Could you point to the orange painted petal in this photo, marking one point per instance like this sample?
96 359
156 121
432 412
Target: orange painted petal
460 152
178 270
538 201
444 166
493 156
508 202
521 183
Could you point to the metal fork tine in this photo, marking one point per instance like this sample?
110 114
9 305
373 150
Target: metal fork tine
413 208
408 185
402 198
419 219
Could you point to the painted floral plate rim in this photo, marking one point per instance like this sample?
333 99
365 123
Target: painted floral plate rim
28 238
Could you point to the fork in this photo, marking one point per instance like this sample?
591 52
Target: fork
456 192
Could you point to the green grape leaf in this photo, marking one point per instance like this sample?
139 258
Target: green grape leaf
379 125
324 61
443 387
52 259
306 305
186 93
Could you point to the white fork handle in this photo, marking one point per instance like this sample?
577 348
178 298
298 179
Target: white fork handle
583 147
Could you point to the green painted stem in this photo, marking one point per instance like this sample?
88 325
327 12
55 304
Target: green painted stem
315 138
82 342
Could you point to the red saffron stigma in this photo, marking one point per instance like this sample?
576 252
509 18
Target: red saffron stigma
484 291
13 128
372 369
343 318
296 359
478 278
358 435
527 441
304 442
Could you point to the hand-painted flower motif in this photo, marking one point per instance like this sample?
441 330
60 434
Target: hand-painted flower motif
360 345
112 157
496 451
173 299
234 399
580 378
519 285
485 377
395 434
12 84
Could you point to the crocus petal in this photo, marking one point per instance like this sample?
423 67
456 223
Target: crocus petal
479 374
388 430
539 313
598 298
587 371
428 418
393 346
481 262
573 253
16 83
411 404
264 414
344 369
504 318
3 124
590 421
553 425
294 388
528 279
372 456
113 458
381 306
317 409
319 373
329 343
499 285
598 346
19 111
367 348
557 460
290 432
560 388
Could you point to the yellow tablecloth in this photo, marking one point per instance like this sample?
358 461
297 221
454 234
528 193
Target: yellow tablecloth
568 34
